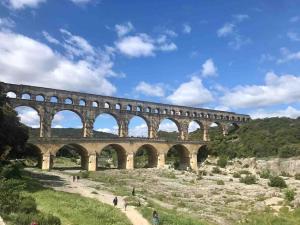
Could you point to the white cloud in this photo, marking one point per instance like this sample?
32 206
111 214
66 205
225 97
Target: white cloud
114 130
28 116
138 131
123 29
21 4
293 36
290 112
80 2
155 90
51 69
209 68
227 29
171 33
288 56
294 19
191 93
186 28
142 45
49 38
136 46
282 89
168 126
193 126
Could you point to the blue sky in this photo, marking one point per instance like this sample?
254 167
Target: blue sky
241 56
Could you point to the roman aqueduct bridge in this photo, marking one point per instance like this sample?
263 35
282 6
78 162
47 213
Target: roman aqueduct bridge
47 102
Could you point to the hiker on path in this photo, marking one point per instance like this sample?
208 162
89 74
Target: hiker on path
115 201
133 191
73 178
155 218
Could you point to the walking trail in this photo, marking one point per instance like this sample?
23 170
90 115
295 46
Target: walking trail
85 188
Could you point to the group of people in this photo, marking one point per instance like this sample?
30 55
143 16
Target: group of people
155 217
75 178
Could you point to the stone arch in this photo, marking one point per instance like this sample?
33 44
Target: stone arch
202 154
139 108
195 130
215 130
30 116
169 128
72 151
146 156
106 105
95 104
68 101
138 128
34 154
56 120
129 107
26 96
54 99
107 125
232 127
40 98
11 94
179 157
121 156
82 102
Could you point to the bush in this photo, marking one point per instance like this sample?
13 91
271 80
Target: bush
289 195
220 182
297 176
285 174
287 151
222 161
244 172
11 171
236 175
276 181
248 179
265 174
216 170
28 205
41 219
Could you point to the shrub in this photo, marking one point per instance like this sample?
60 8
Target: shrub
245 172
248 179
297 176
11 171
25 219
222 161
216 170
202 172
28 205
265 174
276 181
230 179
236 175
289 195
287 151
220 182
285 174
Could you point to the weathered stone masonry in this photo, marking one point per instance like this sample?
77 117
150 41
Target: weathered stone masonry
47 102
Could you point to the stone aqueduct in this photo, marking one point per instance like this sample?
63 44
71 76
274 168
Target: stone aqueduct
47 102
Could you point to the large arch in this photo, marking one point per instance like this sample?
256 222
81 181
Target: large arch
178 157
67 123
112 156
138 126
106 125
195 130
146 156
71 156
169 129
31 156
202 154
30 117
215 130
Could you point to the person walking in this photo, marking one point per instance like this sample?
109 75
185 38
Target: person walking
133 191
115 201
155 218
73 178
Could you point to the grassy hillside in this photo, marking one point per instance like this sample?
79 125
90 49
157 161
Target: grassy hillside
261 138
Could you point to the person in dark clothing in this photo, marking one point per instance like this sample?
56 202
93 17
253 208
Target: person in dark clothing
78 177
73 178
115 201
155 218
133 191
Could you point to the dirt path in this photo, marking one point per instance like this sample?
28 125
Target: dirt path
1 221
85 188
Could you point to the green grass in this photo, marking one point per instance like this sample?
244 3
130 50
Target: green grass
268 218
169 216
76 210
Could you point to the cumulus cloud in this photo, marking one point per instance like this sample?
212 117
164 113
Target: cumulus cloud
294 19
277 89
49 38
123 29
226 29
209 68
21 4
191 93
28 116
168 126
155 90
142 45
287 55
140 130
240 17
186 28
290 112
80 2
193 126
88 72
6 23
